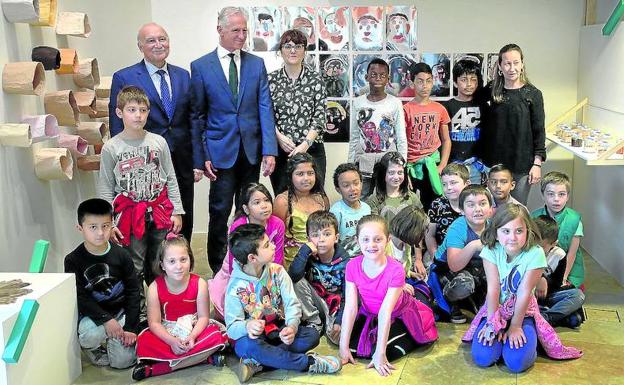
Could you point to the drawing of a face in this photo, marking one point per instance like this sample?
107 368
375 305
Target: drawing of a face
333 67
336 31
368 34
398 28
336 114
304 25
264 26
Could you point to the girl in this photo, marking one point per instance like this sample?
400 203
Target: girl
304 196
180 334
513 264
256 206
391 190
387 312
517 111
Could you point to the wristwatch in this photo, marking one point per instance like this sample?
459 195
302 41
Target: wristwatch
309 142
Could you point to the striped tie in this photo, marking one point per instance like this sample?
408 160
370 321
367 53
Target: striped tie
165 96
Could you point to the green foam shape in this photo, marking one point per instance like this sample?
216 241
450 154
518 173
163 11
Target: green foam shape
21 329
39 256
614 19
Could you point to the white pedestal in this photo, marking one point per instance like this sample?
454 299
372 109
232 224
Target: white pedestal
51 354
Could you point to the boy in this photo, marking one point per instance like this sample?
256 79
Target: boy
457 273
137 176
500 183
318 273
262 312
378 125
107 288
445 209
555 188
350 209
428 141
559 304
466 118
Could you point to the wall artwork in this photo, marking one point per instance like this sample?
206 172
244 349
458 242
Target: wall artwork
400 79
441 69
334 28
367 28
334 69
491 68
401 28
267 28
337 128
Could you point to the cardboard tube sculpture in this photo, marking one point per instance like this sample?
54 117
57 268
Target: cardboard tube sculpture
48 56
54 163
21 11
85 101
74 143
42 126
74 24
88 74
25 78
62 104
93 132
101 108
103 90
88 163
69 61
16 135
47 13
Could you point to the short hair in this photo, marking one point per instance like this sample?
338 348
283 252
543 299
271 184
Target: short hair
466 67
177 240
321 219
474 189
131 94
264 16
456 169
94 206
500 168
398 14
410 225
370 219
504 215
226 12
345 167
548 228
420 67
556 177
245 196
245 240
294 35
378 61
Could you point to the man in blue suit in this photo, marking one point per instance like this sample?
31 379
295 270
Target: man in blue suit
233 124
167 88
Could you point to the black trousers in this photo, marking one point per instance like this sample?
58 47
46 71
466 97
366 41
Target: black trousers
400 342
183 167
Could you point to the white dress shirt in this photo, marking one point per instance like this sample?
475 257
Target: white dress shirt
225 62
152 69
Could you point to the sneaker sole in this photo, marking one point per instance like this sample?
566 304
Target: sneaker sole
458 321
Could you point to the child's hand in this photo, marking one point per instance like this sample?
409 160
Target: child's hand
381 364
177 346
345 356
334 334
177 223
409 289
312 247
486 335
116 235
419 269
128 339
189 343
516 337
542 288
255 328
113 329
287 335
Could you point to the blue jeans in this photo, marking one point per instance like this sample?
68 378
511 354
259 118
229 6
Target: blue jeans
91 336
517 360
280 356
561 304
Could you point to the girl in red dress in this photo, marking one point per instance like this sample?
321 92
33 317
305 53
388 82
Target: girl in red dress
180 333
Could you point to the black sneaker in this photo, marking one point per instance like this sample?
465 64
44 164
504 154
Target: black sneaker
141 371
217 360
457 317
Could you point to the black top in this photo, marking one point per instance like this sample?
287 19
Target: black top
465 127
105 284
514 133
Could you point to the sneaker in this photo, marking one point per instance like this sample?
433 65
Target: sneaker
573 321
217 360
325 364
247 368
457 317
141 371
98 356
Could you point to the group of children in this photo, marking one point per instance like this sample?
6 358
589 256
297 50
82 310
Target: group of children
364 271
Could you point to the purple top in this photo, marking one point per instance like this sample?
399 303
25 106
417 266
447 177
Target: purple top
275 231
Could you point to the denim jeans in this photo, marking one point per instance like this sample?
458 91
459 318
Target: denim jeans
91 336
561 304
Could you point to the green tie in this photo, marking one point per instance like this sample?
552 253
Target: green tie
233 77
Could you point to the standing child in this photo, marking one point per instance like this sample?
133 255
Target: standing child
509 324
304 196
180 332
378 126
387 312
500 183
256 206
428 141
349 210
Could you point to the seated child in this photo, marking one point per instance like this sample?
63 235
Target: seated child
500 183
457 272
559 304
445 209
556 188
107 289
509 324
387 312
180 332
318 275
256 206
349 210
262 312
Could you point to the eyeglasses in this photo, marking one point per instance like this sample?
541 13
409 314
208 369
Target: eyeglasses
293 47
380 76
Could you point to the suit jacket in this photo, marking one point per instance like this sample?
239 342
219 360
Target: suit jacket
177 131
221 123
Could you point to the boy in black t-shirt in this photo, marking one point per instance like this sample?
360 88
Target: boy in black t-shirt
107 288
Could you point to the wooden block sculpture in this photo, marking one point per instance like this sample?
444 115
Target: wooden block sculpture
42 126
62 104
85 101
21 11
25 78
54 164
88 74
93 132
103 90
74 143
88 163
16 135
69 61
73 24
47 13
50 57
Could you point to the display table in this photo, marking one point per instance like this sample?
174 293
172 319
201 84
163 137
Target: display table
51 354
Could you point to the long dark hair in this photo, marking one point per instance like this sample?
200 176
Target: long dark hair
291 166
381 169
499 80
246 194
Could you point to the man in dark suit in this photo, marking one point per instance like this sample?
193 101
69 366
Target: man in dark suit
167 88
233 124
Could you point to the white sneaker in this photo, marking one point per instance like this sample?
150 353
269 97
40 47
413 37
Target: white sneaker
325 364
98 356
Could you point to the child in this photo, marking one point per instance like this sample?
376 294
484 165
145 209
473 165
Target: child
349 210
262 312
391 191
500 183
256 206
107 289
555 191
180 332
137 176
378 126
318 274
466 115
559 304
509 324
388 313
428 141
304 196
445 209
457 272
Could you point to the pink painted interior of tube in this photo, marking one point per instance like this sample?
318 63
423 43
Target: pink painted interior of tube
42 125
